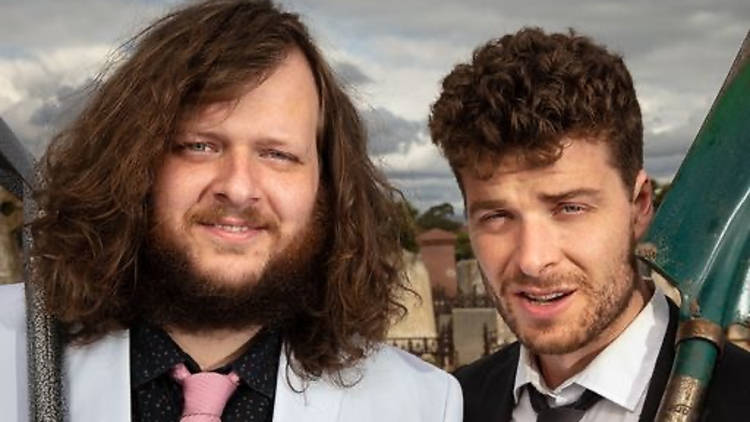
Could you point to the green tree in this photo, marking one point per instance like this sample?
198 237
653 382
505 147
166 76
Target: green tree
439 217
463 246
408 226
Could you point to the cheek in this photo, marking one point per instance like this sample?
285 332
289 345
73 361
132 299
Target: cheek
293 202
174 192
597 246
493 255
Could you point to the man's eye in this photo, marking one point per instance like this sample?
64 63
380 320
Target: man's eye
193 147
198 147
571 209
494 216
279 155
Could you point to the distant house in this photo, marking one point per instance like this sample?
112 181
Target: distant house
437 248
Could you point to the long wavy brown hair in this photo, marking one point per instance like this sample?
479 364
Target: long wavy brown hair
97 175
524 92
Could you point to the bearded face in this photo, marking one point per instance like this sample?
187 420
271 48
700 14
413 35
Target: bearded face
555 244
175 292
236 230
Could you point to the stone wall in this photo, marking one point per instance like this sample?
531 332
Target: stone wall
420 319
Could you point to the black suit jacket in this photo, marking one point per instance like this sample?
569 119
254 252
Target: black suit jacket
487 384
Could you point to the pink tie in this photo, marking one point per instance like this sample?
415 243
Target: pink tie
205 393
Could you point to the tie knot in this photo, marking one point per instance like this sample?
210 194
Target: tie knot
205 393
569 413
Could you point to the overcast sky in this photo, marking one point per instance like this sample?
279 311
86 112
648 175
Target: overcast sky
393 54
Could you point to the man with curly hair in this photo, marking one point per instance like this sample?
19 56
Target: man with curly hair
215 243
544 135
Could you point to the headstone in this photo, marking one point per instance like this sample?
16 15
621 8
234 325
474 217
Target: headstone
504 335
469 278
469 328
420 318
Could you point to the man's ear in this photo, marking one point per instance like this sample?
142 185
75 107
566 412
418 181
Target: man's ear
643 203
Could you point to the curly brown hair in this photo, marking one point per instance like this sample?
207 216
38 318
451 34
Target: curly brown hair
523 93
97 176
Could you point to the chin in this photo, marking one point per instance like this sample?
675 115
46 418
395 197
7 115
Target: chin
233 279
551 345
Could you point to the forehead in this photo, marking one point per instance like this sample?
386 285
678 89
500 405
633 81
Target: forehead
582 164
287 89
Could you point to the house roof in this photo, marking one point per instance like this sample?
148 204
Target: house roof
438 235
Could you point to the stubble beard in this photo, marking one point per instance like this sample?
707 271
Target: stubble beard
607 299
172 292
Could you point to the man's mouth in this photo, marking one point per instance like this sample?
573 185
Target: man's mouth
545 298
232 228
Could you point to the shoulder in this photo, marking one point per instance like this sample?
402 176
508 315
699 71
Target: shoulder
733 370
13 383
388 362
735 361
397 382
487 385
730 386
12 306
500 365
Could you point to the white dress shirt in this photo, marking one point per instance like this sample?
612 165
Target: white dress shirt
621 373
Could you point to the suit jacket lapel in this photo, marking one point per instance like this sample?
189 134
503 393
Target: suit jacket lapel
97 384
662 369
309 401
491 399
97 380
503 408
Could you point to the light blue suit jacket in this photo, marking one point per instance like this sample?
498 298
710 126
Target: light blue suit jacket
394 386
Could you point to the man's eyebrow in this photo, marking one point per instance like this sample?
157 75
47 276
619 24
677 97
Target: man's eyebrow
575 193
485 204
203 134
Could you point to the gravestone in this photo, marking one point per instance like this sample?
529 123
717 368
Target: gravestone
469 332
420 318
469 278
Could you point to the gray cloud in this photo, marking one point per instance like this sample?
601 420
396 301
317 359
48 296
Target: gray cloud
424 192
62 107
663 167
388 132
393 54
41 24
351 74
37 119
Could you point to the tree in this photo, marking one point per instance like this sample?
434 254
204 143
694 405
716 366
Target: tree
408 226
439 217
463 246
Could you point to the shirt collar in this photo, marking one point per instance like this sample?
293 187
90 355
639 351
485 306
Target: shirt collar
622 381
258 366
154 353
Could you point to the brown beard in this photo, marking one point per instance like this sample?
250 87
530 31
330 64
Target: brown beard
291 286
609 299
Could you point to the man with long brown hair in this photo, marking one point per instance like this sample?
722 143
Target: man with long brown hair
544 134
212 233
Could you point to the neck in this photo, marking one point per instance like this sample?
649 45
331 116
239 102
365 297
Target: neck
212 349
555 369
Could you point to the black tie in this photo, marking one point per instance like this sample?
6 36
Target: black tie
572 412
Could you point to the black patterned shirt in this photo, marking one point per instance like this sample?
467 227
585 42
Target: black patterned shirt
158 397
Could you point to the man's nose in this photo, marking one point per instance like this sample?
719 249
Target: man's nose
237 180
537 248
